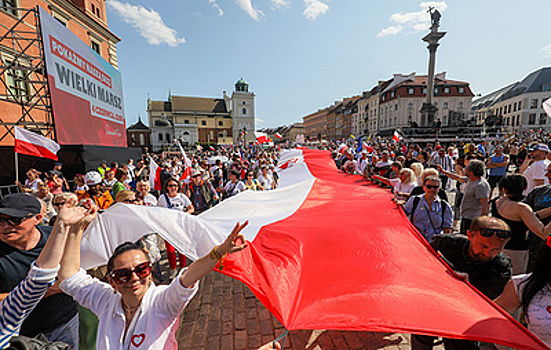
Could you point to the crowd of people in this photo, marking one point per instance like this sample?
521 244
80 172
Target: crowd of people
497 240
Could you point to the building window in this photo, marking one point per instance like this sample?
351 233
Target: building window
392 94
186 121
160 137
17 84
244 111
93 9
532 118
8 4
133 138
509 109
533 104
411 91
220 135
446 90
167 137
141 137
424 91
203 122
396 107
543 118
186 133
410 105
515 107
95 46
445 105
519 108
220 123
461 90
243 103
460 105
518 120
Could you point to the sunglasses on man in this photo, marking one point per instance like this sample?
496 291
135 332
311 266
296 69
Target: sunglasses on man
122 276
489 232
12 221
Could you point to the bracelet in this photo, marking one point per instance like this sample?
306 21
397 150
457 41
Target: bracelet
214 255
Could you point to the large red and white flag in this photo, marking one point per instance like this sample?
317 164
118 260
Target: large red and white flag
155 175
397 137
30 143
187 164
326 251
261 137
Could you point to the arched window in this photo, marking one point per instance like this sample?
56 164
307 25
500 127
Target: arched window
186 133
160 137
445 105
142 140
133 138
460 105
244 111
167 137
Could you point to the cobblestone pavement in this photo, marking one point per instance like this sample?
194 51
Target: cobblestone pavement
225 315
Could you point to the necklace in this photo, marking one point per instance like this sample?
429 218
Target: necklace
128 309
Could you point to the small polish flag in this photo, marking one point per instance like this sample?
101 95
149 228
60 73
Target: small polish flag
368 148
187 164
212 148
32 144
278 135
397 137
261 137
155 175
547 107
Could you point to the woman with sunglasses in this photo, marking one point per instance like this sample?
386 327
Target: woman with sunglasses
133 311
532 293
520 217
173 199
251 183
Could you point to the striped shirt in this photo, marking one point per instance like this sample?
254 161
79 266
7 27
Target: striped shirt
22 300
446 162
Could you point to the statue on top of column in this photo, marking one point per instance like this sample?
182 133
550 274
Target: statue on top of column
435 18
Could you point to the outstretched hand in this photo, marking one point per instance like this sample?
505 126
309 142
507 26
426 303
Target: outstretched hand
235 241
83 214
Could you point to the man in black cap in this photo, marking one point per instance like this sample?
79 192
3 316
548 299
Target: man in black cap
21 241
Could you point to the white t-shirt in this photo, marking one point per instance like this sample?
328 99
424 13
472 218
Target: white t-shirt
179 202
33 185
266 182
235 188
399 186
536 171
539 309
150 200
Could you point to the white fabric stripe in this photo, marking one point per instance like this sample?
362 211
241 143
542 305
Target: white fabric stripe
194 236
31 137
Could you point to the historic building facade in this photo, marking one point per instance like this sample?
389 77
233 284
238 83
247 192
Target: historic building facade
518 106
190 120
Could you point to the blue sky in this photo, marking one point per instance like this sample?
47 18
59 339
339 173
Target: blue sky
301 55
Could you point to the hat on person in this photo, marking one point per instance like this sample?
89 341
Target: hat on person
92 178
539 147
20 205
58 164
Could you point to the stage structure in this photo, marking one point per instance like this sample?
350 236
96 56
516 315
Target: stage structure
23 77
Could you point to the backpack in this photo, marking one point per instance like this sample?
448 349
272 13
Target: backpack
416 200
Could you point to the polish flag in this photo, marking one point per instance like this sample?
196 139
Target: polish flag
212 148
187 164
32 144
397 137
261 137
325 250
547 107
278 135
368 148
155 175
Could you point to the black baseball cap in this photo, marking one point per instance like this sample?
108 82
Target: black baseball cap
20 205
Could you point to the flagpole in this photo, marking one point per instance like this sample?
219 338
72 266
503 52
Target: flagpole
16 168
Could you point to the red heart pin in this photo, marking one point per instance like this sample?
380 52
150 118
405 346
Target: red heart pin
548 309
137 339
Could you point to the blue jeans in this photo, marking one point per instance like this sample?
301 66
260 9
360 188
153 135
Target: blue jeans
67 333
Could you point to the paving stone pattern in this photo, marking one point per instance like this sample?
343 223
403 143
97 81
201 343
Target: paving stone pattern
225 315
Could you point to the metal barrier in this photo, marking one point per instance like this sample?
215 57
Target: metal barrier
5 190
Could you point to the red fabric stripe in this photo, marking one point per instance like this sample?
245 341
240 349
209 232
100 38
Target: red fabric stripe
31 149
349 259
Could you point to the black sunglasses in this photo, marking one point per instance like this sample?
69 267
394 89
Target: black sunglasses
489 232
12 221
122 276
131 201
431 187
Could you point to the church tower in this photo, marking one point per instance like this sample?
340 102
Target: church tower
242 112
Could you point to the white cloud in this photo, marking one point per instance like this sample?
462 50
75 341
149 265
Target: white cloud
215 5
546 50
412 21
247 6
392 30
314 8
278 4
148 23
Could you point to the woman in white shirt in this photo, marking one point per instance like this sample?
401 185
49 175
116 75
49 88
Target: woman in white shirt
532 293
132 310
403 185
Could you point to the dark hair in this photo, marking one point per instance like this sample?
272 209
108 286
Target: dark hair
121 249
120 173
476 167
515 184
540 277
169 180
